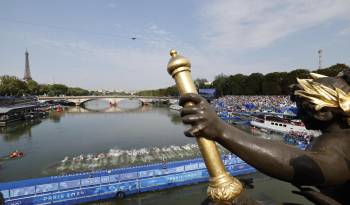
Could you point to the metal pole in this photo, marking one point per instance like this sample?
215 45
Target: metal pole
320 59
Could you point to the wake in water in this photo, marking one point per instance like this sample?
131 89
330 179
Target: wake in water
116 158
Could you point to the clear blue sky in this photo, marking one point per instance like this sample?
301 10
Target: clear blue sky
87 43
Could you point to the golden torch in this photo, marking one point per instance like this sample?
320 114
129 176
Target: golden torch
222 186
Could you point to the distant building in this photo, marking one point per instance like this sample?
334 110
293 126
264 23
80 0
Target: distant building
27 75
208 83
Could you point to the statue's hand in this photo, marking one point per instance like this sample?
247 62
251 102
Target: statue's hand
202 117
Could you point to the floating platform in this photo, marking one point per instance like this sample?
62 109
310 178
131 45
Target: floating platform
114 183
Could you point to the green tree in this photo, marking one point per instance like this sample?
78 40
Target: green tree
11 85
172 91
169 91
271 84
236 84
33 87
57 89
77 92
333 70
43 89
284 83
291 78
219 84
298 73
253 84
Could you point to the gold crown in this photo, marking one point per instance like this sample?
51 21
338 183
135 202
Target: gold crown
324 96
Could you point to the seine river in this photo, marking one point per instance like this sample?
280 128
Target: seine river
99 137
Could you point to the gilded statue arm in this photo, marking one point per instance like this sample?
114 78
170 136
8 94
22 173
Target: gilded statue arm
279 160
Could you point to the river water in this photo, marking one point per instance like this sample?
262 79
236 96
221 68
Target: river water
100 136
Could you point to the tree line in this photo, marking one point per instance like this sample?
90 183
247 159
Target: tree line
169 91
275 83
13 86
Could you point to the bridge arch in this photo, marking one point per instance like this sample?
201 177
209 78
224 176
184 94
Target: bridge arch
80 100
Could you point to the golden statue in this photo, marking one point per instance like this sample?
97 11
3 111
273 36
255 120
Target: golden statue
323 104
222 186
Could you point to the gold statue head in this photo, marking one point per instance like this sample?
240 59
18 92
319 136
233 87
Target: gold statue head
326 93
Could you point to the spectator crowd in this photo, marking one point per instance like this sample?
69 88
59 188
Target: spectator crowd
258 103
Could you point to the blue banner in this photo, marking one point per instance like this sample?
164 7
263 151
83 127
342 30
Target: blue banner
128 176
90 181
46 188
148 173
114 178
70 184
22 191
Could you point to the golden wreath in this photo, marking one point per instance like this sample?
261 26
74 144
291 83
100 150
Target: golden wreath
324 96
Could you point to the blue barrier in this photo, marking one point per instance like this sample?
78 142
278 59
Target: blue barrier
105 184
230 118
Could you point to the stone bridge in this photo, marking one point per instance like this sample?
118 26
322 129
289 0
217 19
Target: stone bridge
113 109
80 100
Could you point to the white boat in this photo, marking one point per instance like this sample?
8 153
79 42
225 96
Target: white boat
282 125
175 107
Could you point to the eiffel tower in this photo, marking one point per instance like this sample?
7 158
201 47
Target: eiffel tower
27 75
